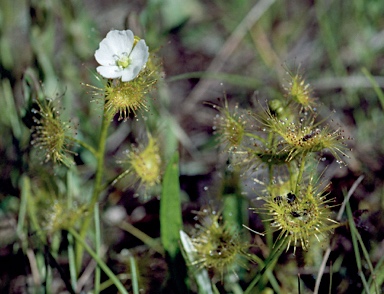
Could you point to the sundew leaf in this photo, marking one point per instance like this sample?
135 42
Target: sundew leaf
170 209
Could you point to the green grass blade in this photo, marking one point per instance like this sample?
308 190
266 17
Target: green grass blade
9 112
269 264
25 192
200 274
375 86
170 209
171 224
99 261
134 276
356 247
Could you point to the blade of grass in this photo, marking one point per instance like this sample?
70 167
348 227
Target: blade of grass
356 247
201 275
72 261
272 279
171 224
101 263
375 86
25 191
378 275
338 218
9 111
170 208
134 277
330 39
367 258
269 264
150 242
71 191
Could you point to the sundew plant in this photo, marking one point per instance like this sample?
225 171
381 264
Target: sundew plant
195 147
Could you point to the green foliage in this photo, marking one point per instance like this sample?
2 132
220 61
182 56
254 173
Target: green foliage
170 208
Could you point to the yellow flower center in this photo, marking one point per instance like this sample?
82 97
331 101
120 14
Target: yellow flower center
124 61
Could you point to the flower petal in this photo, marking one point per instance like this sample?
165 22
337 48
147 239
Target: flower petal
139 55
104 55
109 72
120 41
113 45
128 74
139 58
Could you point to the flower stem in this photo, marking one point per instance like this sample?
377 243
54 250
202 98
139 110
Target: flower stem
97 246
101 264
301 172
107 117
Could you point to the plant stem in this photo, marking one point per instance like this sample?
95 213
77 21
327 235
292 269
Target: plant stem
83 144
152 243
269 262
97 246
107 117
101 264
301 172
250 135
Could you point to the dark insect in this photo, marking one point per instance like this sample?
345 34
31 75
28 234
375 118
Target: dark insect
310 135
278 199
295 214
291 198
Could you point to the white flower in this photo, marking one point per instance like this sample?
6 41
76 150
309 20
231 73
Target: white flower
119 55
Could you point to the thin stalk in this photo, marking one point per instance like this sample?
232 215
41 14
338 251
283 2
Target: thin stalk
301 172
107 117
133 267
289 167
377 275
330 278
100 262
375 85
356 247
100 157
338 218
83 144
367 258
141 236
272 146
72 262
26 190
71 250
270 262
269 273
108 283
250 135
97 246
